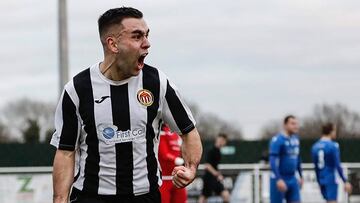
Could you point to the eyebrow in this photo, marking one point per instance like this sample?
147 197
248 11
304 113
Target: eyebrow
140 32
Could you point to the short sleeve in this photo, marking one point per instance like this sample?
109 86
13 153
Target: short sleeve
175 112
67 125
275 145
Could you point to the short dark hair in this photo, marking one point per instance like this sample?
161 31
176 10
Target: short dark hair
288 117
327 128
223 135
115 16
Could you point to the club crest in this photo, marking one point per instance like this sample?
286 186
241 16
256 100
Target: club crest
145 97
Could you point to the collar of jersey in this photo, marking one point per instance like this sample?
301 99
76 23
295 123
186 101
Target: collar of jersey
107 80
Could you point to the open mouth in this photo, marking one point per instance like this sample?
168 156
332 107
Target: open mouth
141 60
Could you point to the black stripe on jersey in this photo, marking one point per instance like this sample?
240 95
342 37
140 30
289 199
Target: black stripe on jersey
178 111
151 82
124 151
83 87
69 129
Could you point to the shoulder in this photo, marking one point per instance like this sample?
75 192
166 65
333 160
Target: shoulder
335 145
150 71
154 76
278 138
316 145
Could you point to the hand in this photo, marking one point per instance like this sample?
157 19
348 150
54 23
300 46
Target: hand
183 176
220 177
179 161
301 182
348 188
281 185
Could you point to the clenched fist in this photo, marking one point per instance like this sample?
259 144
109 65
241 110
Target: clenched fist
183 176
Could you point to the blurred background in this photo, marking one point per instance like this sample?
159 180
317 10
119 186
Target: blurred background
242 65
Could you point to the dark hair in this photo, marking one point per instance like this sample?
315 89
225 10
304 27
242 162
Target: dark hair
115 16
223 135
287 118
327 128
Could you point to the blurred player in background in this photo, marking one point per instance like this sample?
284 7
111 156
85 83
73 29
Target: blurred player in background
169 157
326 158
284 162
212 177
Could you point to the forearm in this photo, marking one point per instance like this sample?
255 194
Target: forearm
299 168
63 175
341 172
211 169
191 149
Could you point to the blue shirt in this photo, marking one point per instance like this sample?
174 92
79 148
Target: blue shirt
285 156
326 158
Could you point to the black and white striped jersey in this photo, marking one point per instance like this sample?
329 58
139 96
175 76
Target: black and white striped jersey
114 126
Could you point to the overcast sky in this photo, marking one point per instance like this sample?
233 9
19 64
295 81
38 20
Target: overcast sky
247 61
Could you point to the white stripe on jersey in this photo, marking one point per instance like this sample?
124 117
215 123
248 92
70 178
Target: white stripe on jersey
138 119
103 116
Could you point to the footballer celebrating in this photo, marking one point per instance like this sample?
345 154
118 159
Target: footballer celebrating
108 120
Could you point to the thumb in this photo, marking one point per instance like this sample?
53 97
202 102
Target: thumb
176 169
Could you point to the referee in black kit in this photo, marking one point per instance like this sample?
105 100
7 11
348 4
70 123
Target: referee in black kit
108 122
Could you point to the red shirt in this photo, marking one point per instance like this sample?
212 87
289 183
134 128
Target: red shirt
169 149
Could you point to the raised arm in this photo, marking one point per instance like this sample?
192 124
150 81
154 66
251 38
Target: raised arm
63 175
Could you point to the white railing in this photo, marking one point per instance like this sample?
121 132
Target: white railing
14 178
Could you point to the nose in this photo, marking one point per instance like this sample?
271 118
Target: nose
146 43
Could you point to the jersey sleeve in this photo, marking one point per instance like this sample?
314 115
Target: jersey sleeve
175 112
299 168
314 158
67 125
338 162
274 153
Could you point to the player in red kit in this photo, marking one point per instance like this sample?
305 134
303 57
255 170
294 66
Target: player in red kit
169 157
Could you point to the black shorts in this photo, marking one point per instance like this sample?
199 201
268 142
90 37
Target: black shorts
212 185
79 197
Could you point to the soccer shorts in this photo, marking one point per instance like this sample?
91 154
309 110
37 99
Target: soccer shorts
329 191
211 184
291 195
80 197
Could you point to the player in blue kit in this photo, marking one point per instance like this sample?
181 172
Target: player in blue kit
326 158
285 161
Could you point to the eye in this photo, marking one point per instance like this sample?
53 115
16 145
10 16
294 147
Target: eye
137 36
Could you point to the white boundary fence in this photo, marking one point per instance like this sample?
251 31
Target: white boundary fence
249 184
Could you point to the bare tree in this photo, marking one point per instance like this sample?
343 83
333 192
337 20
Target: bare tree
270 129
347 121
4 134
15 116
210 125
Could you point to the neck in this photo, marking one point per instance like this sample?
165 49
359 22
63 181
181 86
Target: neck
325 137
110 70
287 134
